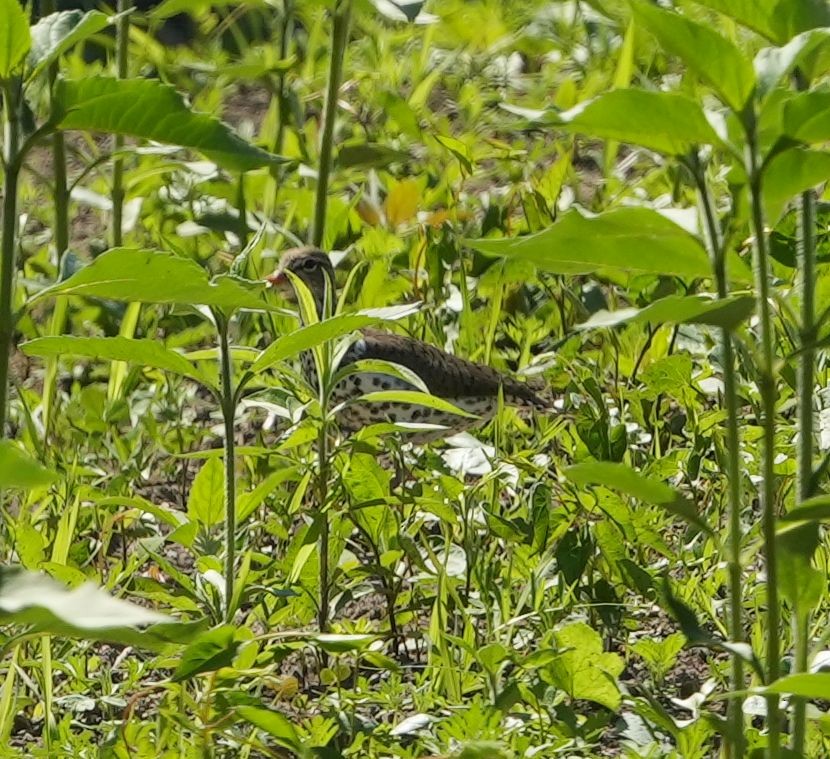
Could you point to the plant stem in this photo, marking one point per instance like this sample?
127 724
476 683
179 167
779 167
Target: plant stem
339 39
8 242
282 100
806 256
322 499
717 254
118 370
768 392
228 414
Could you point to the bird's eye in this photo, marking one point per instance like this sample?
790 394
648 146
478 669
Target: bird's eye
309 264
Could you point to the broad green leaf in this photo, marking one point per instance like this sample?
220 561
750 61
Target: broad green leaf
815 509
804 685
634 240
15 37
18 470
277 725
152 110
376 366
145 352
777 20
789 173
727 313
87 612
772 64
315 334
583 670
623 478
414 396
807 117
713 58
206 503
210 651
666 122
341 644
150 276
55 34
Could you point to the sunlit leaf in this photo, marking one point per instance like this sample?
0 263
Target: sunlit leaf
55 34
727 313
145 352
413 396
277 725
666 122
777 20
18 470
206 503
152 110
805 685
15 38
632 483
149 276
711 56
634 240
210 651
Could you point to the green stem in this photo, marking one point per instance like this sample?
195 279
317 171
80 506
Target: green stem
282 99
8 242
242 209
717 254
806 255
768 390
228 413
339 39
122 38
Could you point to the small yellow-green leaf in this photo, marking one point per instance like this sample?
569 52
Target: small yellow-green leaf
207 494
15 37
18 470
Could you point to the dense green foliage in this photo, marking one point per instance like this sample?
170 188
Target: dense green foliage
617 198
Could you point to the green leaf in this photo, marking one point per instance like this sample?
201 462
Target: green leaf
713 58
666 122
634 240
206 503
789 173
369 155
815 509
342 644
414 396
772 64
152 110
15 38
315 334
145 352
583 670
277 725
777 20
620 477
807 117
87 612
55 34
17 470
727 313
149 276
803 685
210 651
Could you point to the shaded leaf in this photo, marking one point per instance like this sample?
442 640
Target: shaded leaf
790 173
335 643
804 685
368 155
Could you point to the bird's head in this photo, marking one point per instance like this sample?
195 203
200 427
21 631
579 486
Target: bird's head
312 266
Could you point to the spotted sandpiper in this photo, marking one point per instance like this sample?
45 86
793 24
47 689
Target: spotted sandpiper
472 387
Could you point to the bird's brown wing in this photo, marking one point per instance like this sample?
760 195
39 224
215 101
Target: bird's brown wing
445 375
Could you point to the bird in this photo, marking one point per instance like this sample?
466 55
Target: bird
469 386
